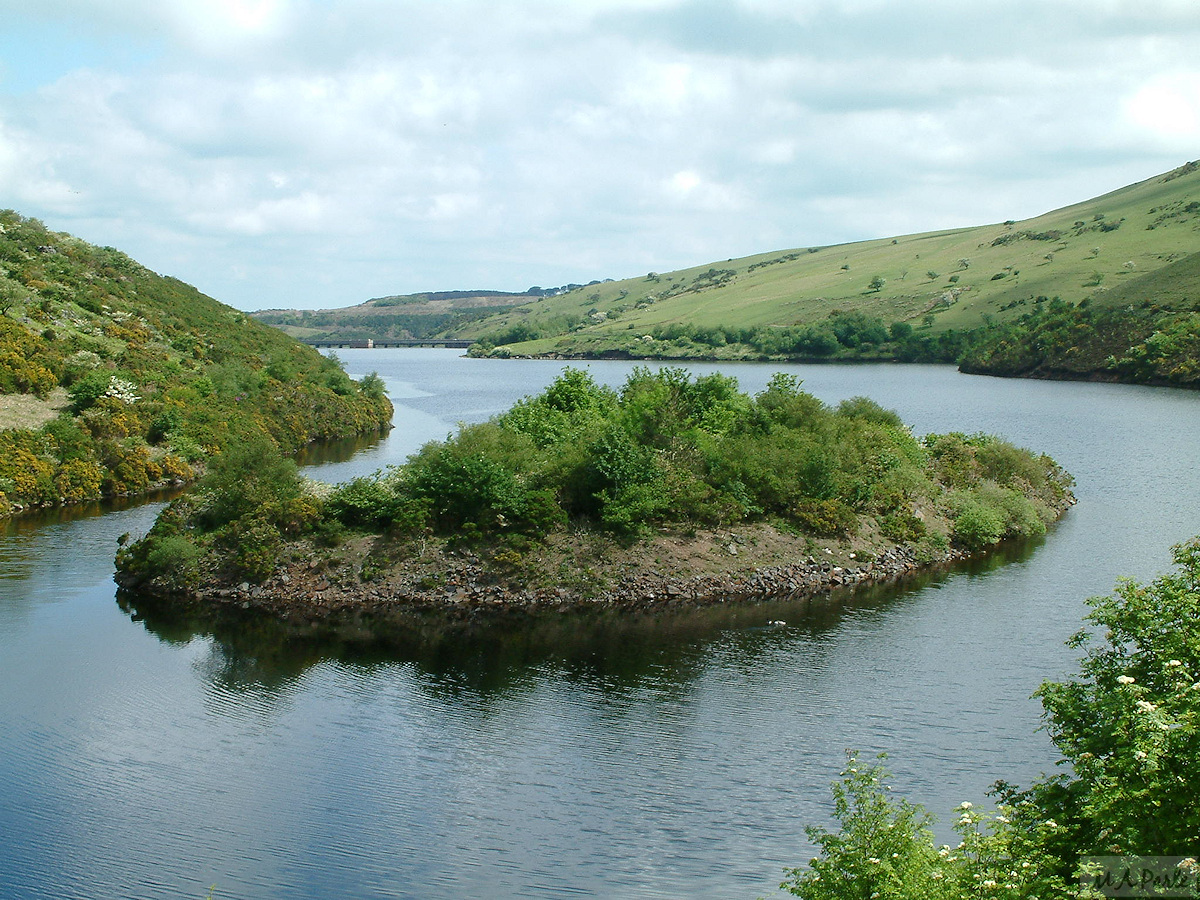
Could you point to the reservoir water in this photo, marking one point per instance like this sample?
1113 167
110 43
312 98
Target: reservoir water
146 757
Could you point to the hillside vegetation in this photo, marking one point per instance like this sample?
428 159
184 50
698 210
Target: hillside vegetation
400 317
406 317
928 296
665 451
157 376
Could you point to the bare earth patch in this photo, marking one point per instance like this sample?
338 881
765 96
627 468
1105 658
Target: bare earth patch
28 411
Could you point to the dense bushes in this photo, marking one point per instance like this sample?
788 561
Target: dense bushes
159 376
1128 730
1141 344
666 449
250 500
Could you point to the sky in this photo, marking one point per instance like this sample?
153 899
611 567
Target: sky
317 153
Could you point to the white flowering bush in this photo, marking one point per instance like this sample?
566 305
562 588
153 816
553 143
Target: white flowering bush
884 848
120 389
1128 728
1130 725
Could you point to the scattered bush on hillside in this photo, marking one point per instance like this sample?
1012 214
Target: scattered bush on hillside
152 387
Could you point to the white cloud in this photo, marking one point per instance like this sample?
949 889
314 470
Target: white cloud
268 146
1168 107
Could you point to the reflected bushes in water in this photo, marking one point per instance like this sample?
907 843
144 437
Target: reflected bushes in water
491 651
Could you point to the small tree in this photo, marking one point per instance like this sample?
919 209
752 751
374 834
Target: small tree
877 283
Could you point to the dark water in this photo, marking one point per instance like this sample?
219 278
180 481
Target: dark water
145 755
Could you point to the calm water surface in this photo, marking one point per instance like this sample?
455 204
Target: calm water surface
144 756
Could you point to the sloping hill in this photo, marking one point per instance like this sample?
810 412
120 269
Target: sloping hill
1147 332
934 282
157 375
409 316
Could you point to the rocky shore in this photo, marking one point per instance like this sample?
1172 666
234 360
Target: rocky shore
667 572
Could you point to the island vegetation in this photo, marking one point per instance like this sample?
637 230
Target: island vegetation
1122 818
114 380
583 492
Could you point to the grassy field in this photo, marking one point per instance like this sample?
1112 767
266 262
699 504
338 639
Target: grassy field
1110 249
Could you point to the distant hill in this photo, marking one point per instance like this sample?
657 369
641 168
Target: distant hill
114 379
815 302
403 316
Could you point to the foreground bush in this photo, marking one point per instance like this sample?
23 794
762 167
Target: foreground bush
1128 729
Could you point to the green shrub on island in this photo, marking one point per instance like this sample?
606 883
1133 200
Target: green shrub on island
1128 729
665 450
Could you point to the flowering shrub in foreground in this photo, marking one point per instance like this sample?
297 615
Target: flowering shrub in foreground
1129 728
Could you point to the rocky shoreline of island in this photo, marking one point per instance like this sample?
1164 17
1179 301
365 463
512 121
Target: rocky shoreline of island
308 592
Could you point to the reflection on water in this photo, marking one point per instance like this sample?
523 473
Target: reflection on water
489 653
325 452
603 756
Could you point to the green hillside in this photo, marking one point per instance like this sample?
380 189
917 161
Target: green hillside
114 379
1107 250
400 317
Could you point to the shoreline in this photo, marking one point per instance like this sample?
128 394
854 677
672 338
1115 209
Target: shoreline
305 592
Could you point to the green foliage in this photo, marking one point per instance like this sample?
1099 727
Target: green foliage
976 524
866 408
249 479
672 449
1129 724
1140 343
998 491
902 527
147 361
884 848
367 503
372 387
248 503
176 561
666 449
466 489
254 545
1128 729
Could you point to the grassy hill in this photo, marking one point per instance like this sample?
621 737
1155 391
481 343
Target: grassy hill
402 316
406 316
114 379
1114 249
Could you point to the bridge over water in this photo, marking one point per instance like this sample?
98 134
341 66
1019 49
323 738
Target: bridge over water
371 344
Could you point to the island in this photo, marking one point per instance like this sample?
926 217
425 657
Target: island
671 490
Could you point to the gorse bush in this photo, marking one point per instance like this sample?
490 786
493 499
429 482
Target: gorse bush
1128 730
665 450
670 449
238 517
147 362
